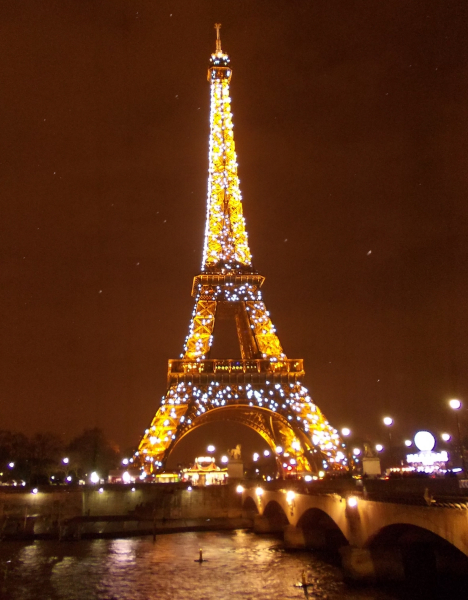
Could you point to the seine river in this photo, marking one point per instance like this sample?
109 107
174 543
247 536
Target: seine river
238 564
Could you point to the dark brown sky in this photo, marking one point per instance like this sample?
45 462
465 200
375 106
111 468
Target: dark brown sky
351 129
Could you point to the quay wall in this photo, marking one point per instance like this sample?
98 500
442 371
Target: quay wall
125 508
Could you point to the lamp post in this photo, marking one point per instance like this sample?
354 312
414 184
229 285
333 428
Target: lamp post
388 422
456 406
295 446
346 432
279 462
356 454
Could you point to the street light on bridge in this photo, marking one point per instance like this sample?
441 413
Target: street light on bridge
456 405
296 446
388 422
346 432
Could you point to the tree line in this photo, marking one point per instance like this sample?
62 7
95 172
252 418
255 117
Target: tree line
44 458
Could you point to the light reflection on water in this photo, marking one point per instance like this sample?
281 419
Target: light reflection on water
239 565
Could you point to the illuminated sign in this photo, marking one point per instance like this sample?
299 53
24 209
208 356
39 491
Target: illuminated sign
204 459
427 458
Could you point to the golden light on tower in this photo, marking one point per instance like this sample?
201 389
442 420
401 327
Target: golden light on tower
225 234
263 390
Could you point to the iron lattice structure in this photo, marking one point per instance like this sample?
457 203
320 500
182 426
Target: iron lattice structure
263 390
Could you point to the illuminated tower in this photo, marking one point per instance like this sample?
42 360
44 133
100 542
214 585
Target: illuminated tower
263 390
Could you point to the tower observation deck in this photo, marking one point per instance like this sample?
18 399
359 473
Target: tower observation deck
263 389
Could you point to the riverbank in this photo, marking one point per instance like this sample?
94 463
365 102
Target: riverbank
110 527
118 511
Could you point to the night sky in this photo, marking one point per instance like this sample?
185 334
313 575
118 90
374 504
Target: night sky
350 122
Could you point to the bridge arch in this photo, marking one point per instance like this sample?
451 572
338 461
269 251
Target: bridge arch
416 525
405 535
425 556
320 530
275 513
249 506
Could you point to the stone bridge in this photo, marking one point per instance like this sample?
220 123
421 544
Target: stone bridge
377 538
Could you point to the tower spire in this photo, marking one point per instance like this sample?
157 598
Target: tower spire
218 39
226 246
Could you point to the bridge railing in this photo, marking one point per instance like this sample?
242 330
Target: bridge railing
407 490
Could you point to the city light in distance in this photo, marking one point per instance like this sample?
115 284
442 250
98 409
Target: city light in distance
255 456
94 477
352 502
239 489
388 421
65 460
211 448
455 404
266 453
379 447
357 451
278 450
290 496
446 437
259 491
346 431
408 443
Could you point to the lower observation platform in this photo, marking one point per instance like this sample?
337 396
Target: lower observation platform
252 370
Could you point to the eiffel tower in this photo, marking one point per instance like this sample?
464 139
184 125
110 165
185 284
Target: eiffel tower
263 390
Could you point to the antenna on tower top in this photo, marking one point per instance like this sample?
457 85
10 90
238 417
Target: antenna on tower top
218 39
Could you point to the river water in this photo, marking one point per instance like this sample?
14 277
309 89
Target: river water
239 565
